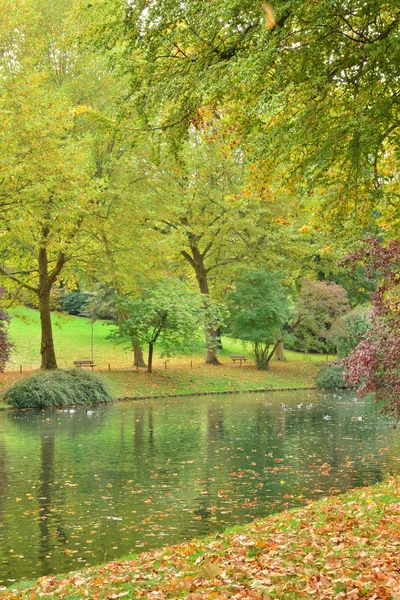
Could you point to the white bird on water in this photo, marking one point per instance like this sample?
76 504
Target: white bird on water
328 417
360 418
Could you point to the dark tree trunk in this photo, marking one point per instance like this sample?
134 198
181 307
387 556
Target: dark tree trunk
197 263
138 360
46 280
150 359
47 344
219 341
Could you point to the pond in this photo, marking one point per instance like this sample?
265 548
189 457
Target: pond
85 487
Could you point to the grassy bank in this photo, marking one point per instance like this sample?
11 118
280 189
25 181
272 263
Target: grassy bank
72 339
177 375
344 547
179 378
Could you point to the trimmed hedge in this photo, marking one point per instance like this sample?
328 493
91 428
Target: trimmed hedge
57 388
330 376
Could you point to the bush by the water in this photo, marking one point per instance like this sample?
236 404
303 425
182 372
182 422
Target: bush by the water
57 388
330 376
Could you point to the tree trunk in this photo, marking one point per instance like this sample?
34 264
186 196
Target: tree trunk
219 334
279 353
197 263
138 360
47 344
261 355
150 359
46 280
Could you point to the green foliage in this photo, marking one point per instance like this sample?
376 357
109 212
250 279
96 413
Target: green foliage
57 388
258 309
319 305
327 108
168 314
101 304
74 303
353 327
330 376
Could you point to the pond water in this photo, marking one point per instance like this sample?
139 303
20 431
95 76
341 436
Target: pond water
80 488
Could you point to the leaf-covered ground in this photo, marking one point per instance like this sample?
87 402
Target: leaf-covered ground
344 547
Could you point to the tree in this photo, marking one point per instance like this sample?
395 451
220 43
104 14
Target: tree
47 194
319 305
373 366
167 314
50 189
5 344
205 206
318 93
258 308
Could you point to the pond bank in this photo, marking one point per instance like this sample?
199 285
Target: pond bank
343 547
200 379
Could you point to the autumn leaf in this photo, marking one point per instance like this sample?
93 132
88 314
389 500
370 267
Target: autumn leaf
210 568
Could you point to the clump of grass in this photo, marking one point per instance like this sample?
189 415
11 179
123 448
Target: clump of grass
330 376
57 388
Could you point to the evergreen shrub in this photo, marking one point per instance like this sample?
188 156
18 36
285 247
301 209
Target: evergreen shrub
74 303
330 376
57 388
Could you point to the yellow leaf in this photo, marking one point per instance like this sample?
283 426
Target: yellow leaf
210 569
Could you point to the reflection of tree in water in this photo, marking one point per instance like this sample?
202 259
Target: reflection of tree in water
138 437
215 423
51 530
151 427
45 492
5 540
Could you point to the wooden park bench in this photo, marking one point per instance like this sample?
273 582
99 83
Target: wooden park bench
240 357
84 363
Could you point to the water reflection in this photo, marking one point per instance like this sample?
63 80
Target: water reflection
81 488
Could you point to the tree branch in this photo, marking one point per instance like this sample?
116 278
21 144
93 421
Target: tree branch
5 273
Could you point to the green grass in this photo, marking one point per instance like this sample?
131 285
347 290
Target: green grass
71 340
183 375
340 547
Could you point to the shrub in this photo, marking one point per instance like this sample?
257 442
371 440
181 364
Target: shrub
353 327
74 303
330 376
57 388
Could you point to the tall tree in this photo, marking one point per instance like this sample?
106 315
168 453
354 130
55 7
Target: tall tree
47 195
48 188
318 92
201 203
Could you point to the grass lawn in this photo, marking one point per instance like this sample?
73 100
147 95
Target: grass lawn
344 547
184 374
